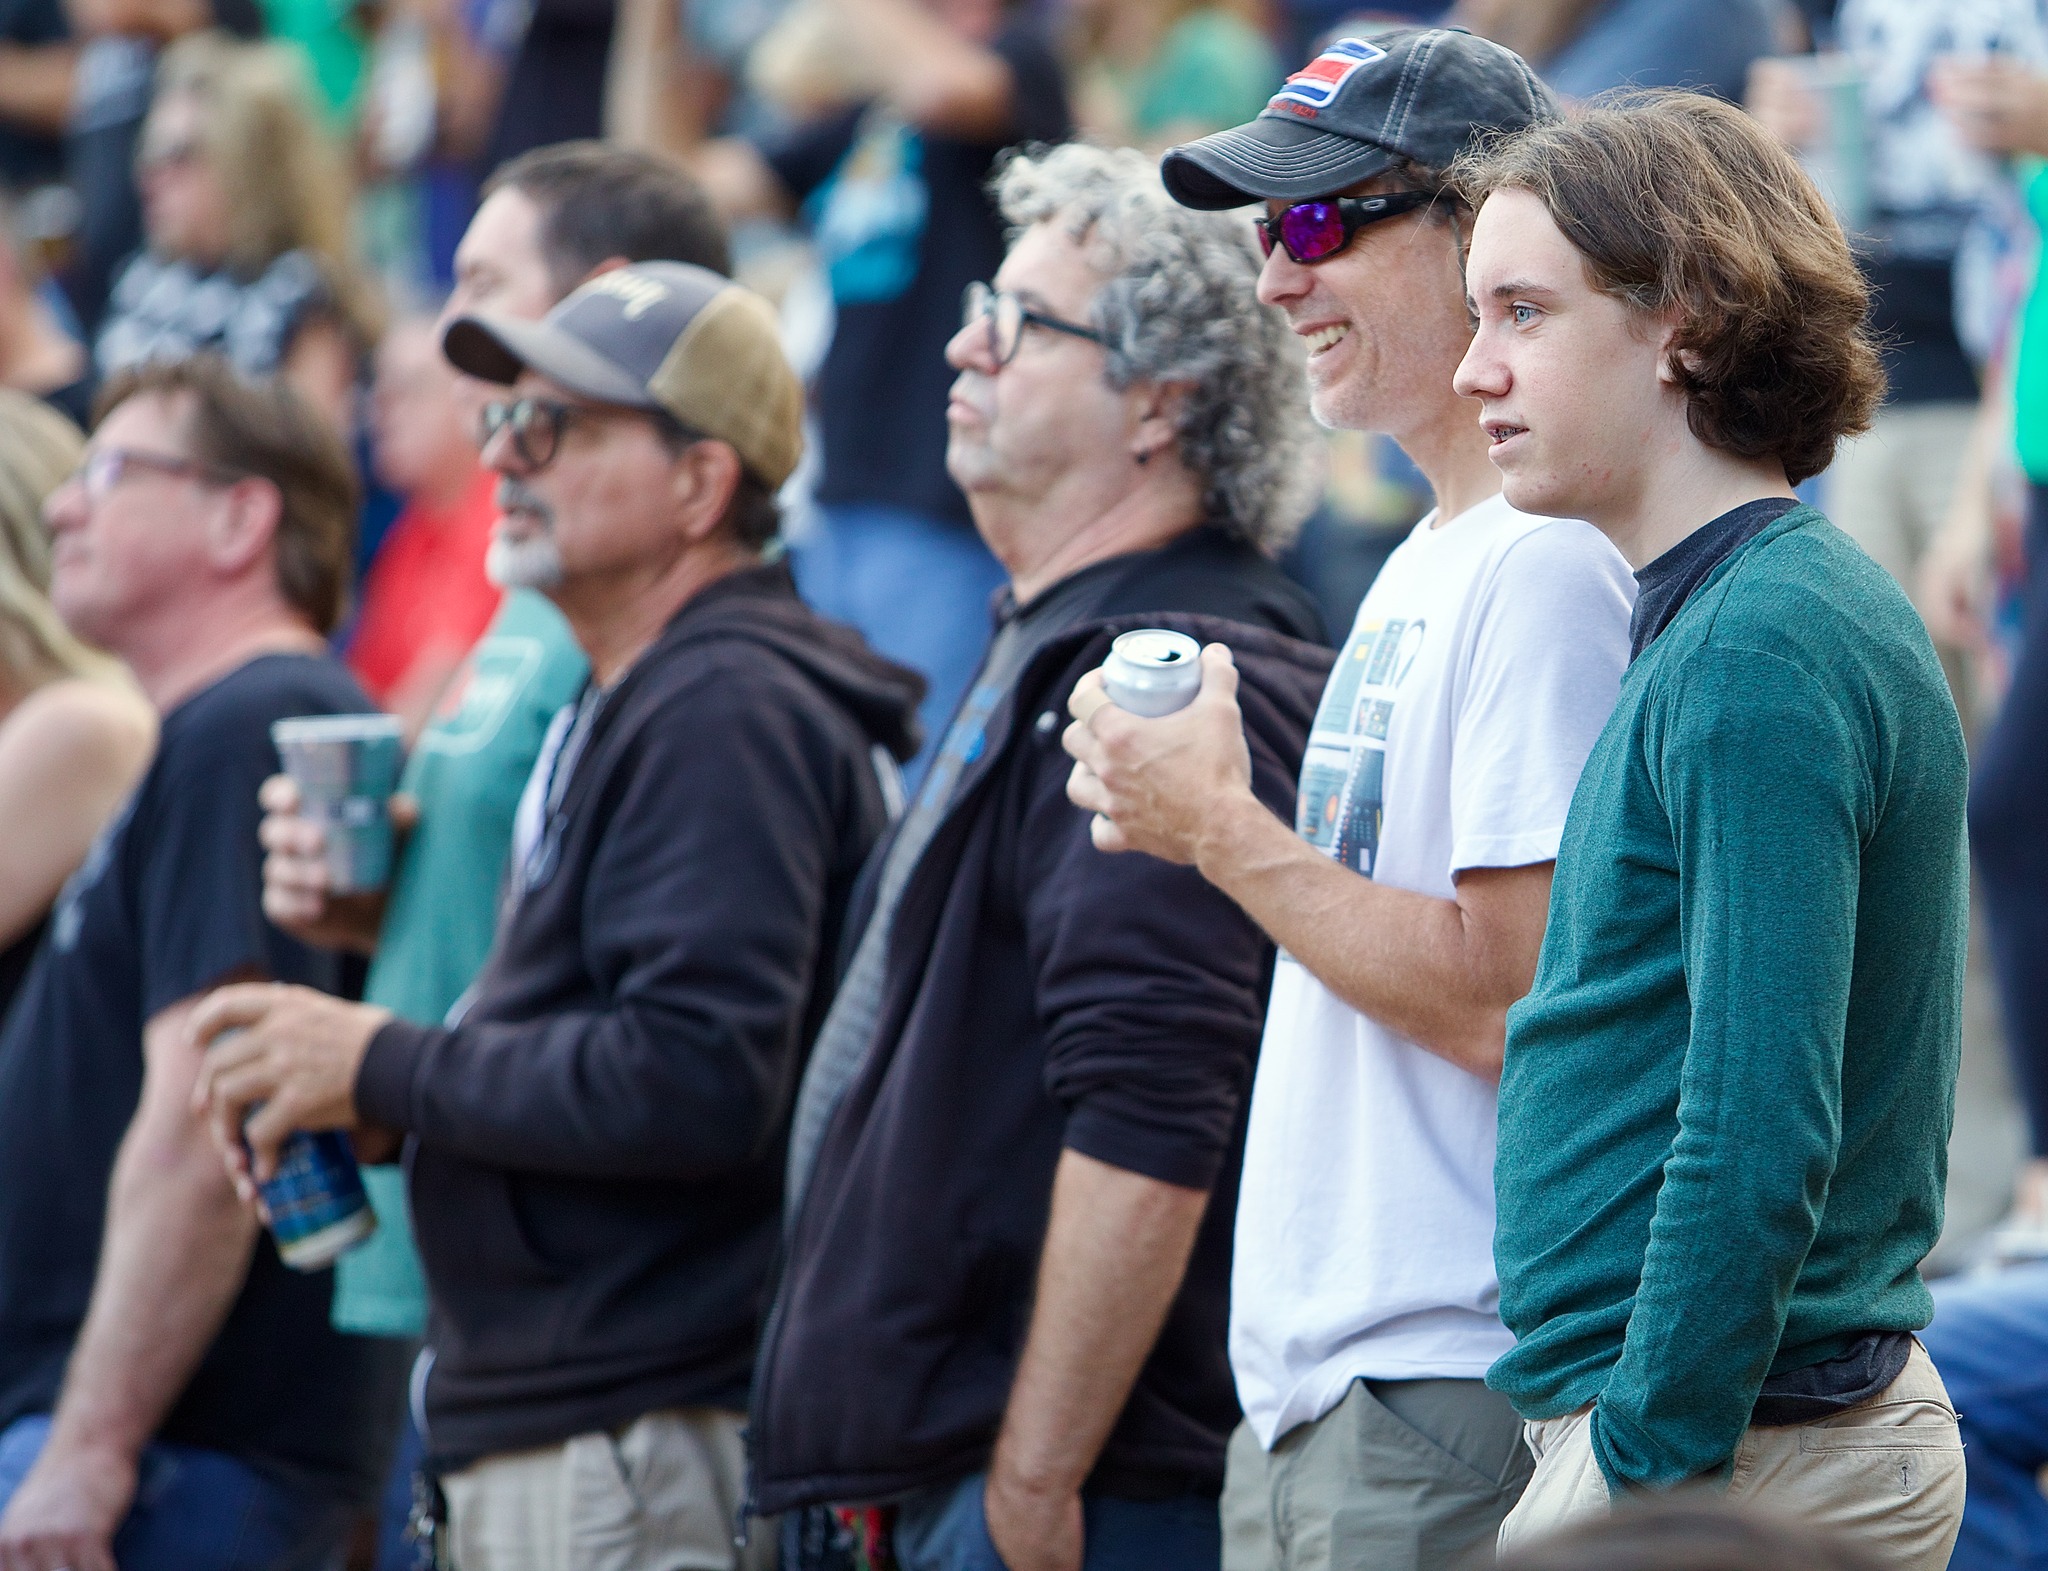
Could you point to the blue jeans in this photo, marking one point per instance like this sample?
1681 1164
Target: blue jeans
917 588
196 1508
1990 1342
2009 836
943 1530
395 1551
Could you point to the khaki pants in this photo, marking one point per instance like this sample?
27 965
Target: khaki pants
658 1495
1887 1474
1402 1475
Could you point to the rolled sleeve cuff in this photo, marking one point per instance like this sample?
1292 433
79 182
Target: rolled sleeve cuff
1144 1146
384 1079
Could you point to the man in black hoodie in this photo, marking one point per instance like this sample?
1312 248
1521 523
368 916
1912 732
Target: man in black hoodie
1015 1151
596 1149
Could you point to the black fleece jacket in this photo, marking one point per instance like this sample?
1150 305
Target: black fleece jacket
597 1150
1040 995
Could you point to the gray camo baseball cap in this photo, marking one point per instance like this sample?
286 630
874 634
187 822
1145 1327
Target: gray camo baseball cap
658 335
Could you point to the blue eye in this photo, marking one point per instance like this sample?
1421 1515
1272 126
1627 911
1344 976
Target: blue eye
1523 315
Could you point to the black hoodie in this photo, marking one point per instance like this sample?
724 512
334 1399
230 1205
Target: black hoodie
597 1150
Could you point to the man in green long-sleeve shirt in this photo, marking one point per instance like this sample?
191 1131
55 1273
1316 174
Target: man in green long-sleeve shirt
1726 1101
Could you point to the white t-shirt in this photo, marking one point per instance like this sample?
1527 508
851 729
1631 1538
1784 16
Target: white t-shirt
1478 674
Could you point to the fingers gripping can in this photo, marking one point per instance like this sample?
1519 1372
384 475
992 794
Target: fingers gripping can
315 1200
1153 672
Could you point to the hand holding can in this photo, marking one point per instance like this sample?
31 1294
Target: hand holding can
314 1203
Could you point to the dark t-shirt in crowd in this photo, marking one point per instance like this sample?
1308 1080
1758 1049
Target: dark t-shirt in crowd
555 89
14 964
1664 584
29 158
169 902
1912 309
904 224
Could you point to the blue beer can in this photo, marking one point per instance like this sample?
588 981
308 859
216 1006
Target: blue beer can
318 1210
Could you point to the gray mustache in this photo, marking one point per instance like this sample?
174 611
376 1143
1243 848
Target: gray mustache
515 496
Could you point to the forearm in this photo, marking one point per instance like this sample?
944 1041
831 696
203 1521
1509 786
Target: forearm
1418 964
1731 1230
1116 1248
175 1255
934 77
36 85
659 96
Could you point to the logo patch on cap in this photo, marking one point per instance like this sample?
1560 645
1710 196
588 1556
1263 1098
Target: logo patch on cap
1316 83
641 294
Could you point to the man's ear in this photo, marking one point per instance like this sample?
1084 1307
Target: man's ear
707 477
1670 361
610 264
1155 411
245 527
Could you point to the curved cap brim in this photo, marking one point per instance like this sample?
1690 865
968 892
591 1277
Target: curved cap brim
1268 160
497 349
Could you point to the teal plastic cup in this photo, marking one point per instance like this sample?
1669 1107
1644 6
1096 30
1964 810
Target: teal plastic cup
346 767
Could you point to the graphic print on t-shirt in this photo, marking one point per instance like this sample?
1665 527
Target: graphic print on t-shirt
476 703
1341 804
67 914
870 215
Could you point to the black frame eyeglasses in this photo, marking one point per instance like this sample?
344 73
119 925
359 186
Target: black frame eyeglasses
537 425
1312 232
1007 317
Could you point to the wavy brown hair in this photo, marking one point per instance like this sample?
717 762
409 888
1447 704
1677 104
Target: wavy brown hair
1685 208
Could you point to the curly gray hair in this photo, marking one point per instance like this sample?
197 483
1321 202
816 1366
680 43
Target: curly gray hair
1180 305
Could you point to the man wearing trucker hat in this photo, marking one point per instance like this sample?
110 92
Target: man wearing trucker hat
596 1146
1409 898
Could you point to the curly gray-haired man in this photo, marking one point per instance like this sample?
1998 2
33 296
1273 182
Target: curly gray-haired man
1015 1148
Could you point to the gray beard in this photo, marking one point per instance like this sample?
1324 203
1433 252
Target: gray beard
532 563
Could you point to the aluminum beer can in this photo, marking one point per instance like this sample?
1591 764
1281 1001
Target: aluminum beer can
318 1210
1153 672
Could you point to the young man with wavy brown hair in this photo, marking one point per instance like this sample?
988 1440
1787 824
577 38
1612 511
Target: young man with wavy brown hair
1726 1101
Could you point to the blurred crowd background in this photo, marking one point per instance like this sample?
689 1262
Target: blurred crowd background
287 180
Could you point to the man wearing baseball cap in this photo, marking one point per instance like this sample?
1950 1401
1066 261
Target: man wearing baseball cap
595 1137
1409 896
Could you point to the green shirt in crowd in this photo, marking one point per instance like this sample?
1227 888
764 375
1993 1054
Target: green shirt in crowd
1214 69
467 772
2030 362
332 38
1725 1108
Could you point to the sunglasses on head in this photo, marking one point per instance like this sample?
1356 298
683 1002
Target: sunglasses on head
1312 232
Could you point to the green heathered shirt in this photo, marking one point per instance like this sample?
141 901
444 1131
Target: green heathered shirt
1725 1109
467 772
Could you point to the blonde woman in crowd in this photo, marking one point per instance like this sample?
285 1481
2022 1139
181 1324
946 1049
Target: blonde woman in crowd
245 209
75 733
